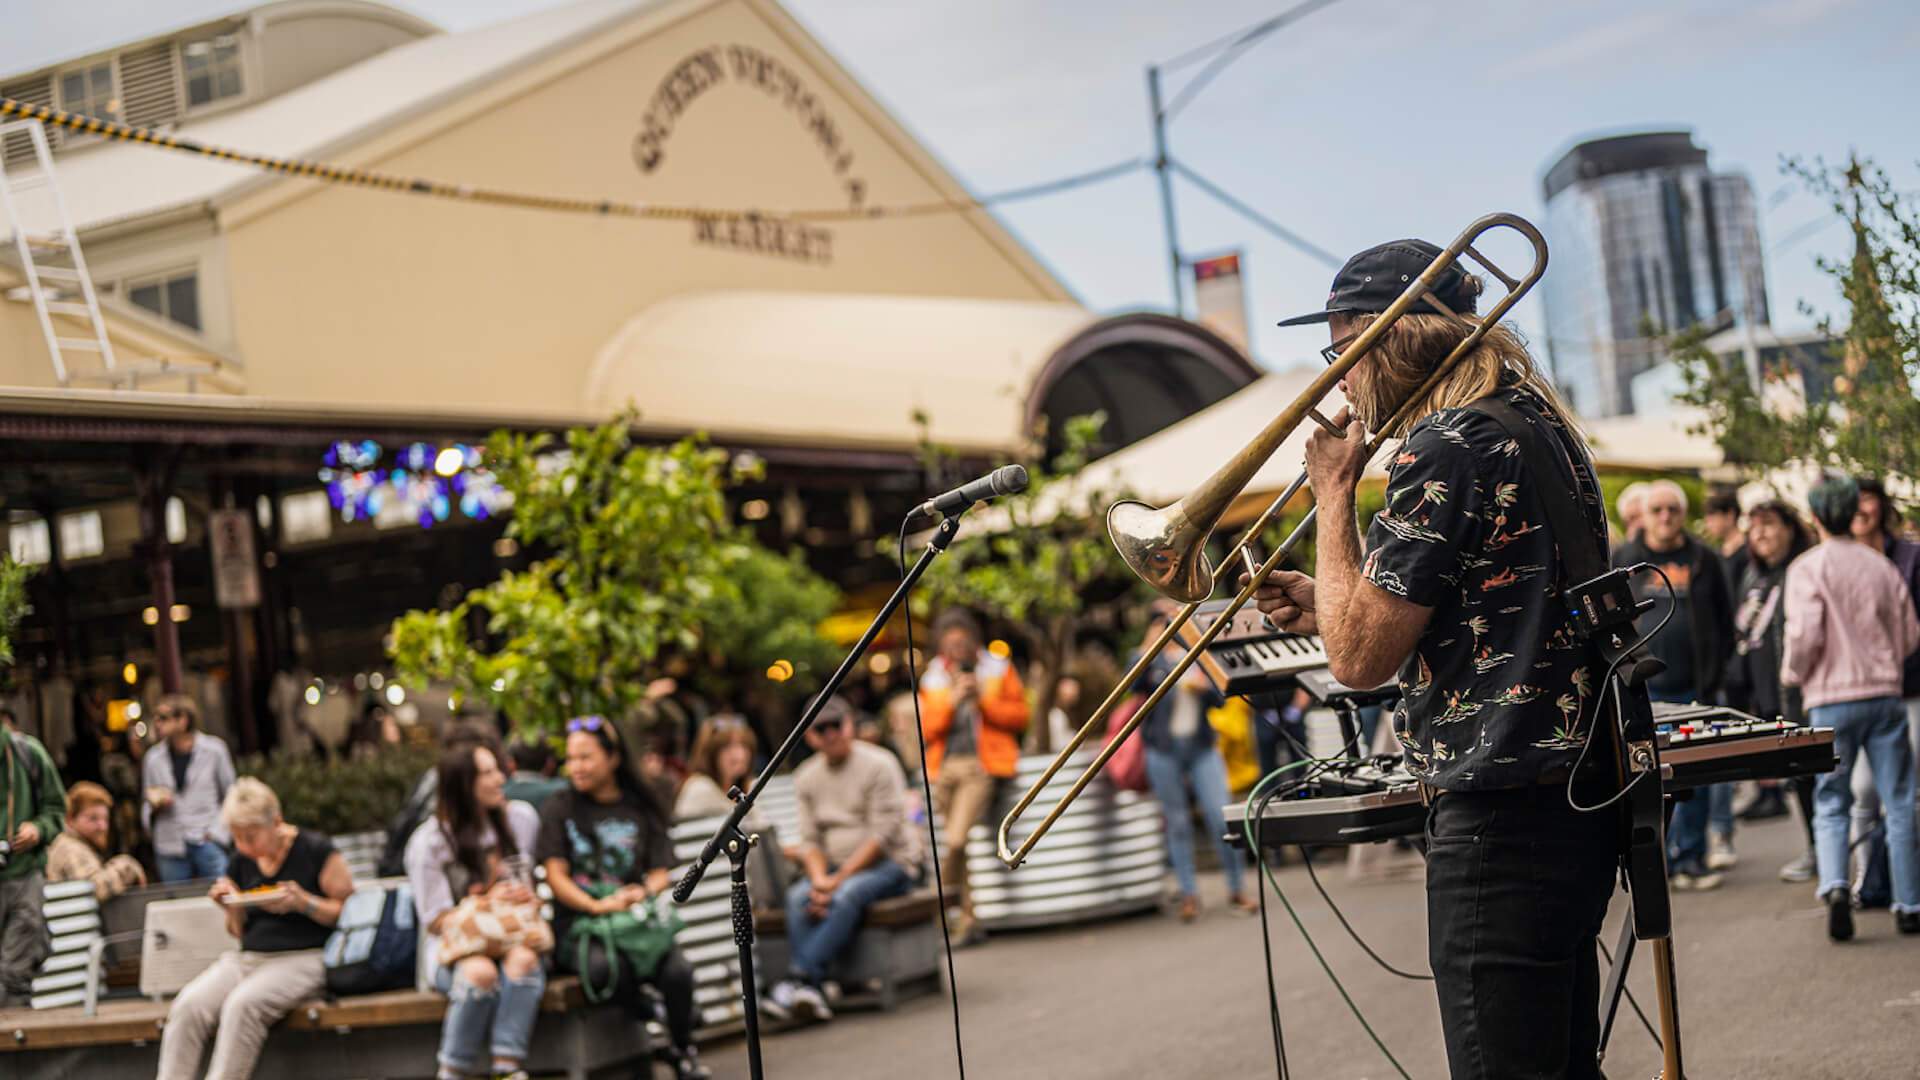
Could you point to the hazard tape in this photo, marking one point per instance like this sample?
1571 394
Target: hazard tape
335 174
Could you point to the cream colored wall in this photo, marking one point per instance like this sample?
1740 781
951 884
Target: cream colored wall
23 349
348 294
299 47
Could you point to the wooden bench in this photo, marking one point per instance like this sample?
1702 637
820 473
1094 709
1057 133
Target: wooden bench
393 1036
895 953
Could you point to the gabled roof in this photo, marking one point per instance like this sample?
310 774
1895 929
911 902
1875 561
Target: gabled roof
323 117
98 28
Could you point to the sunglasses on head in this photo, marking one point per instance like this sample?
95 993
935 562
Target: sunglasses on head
586 723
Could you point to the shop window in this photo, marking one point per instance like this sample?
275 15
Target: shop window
80 535
89 92
212 69
175 297
29 542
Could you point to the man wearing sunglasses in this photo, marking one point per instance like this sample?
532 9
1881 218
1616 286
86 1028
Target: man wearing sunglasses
1694 644
186 775
856 846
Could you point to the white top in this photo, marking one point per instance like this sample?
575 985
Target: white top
429 854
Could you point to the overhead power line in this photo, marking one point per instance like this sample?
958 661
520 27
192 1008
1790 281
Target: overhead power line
352 177
1233 47
1287 235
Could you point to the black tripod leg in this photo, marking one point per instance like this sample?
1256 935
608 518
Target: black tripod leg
1616 984
738 850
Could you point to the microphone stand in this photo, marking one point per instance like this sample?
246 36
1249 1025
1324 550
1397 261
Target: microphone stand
738 845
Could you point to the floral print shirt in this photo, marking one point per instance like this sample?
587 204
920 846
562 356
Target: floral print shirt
1499 688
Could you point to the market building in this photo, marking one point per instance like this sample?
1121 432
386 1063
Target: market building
264 338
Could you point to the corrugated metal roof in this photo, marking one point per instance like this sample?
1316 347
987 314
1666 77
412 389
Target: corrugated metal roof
322 117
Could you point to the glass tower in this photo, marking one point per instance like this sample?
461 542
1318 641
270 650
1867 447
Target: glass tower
1646 241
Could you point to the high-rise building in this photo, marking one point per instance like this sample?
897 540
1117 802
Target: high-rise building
1646 240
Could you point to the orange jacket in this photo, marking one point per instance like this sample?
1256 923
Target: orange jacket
1003 713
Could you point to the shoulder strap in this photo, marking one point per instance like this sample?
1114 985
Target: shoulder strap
1582 556
32 762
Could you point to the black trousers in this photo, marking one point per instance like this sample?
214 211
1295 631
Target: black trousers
673 978
1517 887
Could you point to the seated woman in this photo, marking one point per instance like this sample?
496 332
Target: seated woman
722 757
461 851
300 882
607 834
79 853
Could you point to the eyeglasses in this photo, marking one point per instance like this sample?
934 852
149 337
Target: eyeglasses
827 726
1663 510
1332 352
586 723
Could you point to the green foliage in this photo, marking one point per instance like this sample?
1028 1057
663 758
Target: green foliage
1871 423
1036 573
343 795
13 602
643 568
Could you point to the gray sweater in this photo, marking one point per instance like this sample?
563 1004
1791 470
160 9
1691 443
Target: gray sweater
194 815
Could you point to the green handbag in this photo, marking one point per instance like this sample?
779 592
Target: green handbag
638 942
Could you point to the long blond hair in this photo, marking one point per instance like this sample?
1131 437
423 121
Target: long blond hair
1407 353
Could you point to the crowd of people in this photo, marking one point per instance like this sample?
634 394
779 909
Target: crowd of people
1810 621
1768 611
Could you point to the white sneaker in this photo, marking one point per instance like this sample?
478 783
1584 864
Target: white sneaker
810 1004
778 1002
1720 853
1800 869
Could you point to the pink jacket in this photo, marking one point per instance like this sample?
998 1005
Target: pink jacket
1850 625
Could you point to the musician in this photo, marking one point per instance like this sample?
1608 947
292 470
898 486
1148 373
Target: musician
1457 589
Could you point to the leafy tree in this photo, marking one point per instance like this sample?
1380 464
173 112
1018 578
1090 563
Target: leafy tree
642 567
13 602
1871 421
1037 573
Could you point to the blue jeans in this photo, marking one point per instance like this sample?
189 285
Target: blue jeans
1877 726
1687 828
204 860
817 942
499 1020
1189 765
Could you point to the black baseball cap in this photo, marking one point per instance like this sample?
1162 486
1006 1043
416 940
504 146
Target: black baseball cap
1372 280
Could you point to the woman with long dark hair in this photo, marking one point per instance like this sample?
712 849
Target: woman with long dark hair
1776 535
606 849
470 847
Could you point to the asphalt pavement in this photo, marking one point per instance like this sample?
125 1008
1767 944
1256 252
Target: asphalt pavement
1763 994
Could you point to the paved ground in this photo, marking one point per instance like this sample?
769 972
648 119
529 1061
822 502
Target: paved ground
1763 994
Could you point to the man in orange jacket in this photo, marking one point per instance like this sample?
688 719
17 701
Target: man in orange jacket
972 711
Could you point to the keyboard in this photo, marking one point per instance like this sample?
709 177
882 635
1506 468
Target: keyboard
1249 656
1376 799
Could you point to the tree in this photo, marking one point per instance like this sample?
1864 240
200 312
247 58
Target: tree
1036 573
1870 423
13 602
642 565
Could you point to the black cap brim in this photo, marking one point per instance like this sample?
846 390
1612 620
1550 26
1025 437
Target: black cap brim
1305 320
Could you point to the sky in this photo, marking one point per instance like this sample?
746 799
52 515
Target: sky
1367 120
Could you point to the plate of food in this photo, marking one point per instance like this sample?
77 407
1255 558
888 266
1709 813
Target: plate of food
254 897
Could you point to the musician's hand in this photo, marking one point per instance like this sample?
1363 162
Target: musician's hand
966 686
1286 598
1334 465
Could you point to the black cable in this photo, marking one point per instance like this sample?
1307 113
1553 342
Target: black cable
1607 684
1273 993
1307 856
1253 841
933 838
1255 216
1644 1022
1235 47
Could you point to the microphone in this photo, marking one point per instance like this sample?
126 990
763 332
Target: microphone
1005 480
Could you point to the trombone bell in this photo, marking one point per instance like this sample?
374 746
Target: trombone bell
1165 547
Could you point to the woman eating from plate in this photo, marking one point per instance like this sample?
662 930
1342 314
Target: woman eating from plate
282 895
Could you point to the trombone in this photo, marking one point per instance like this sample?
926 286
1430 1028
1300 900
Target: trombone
1166 547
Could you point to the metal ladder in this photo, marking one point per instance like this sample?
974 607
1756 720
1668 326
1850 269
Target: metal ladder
59 246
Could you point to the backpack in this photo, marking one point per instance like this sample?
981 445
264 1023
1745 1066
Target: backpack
375 944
